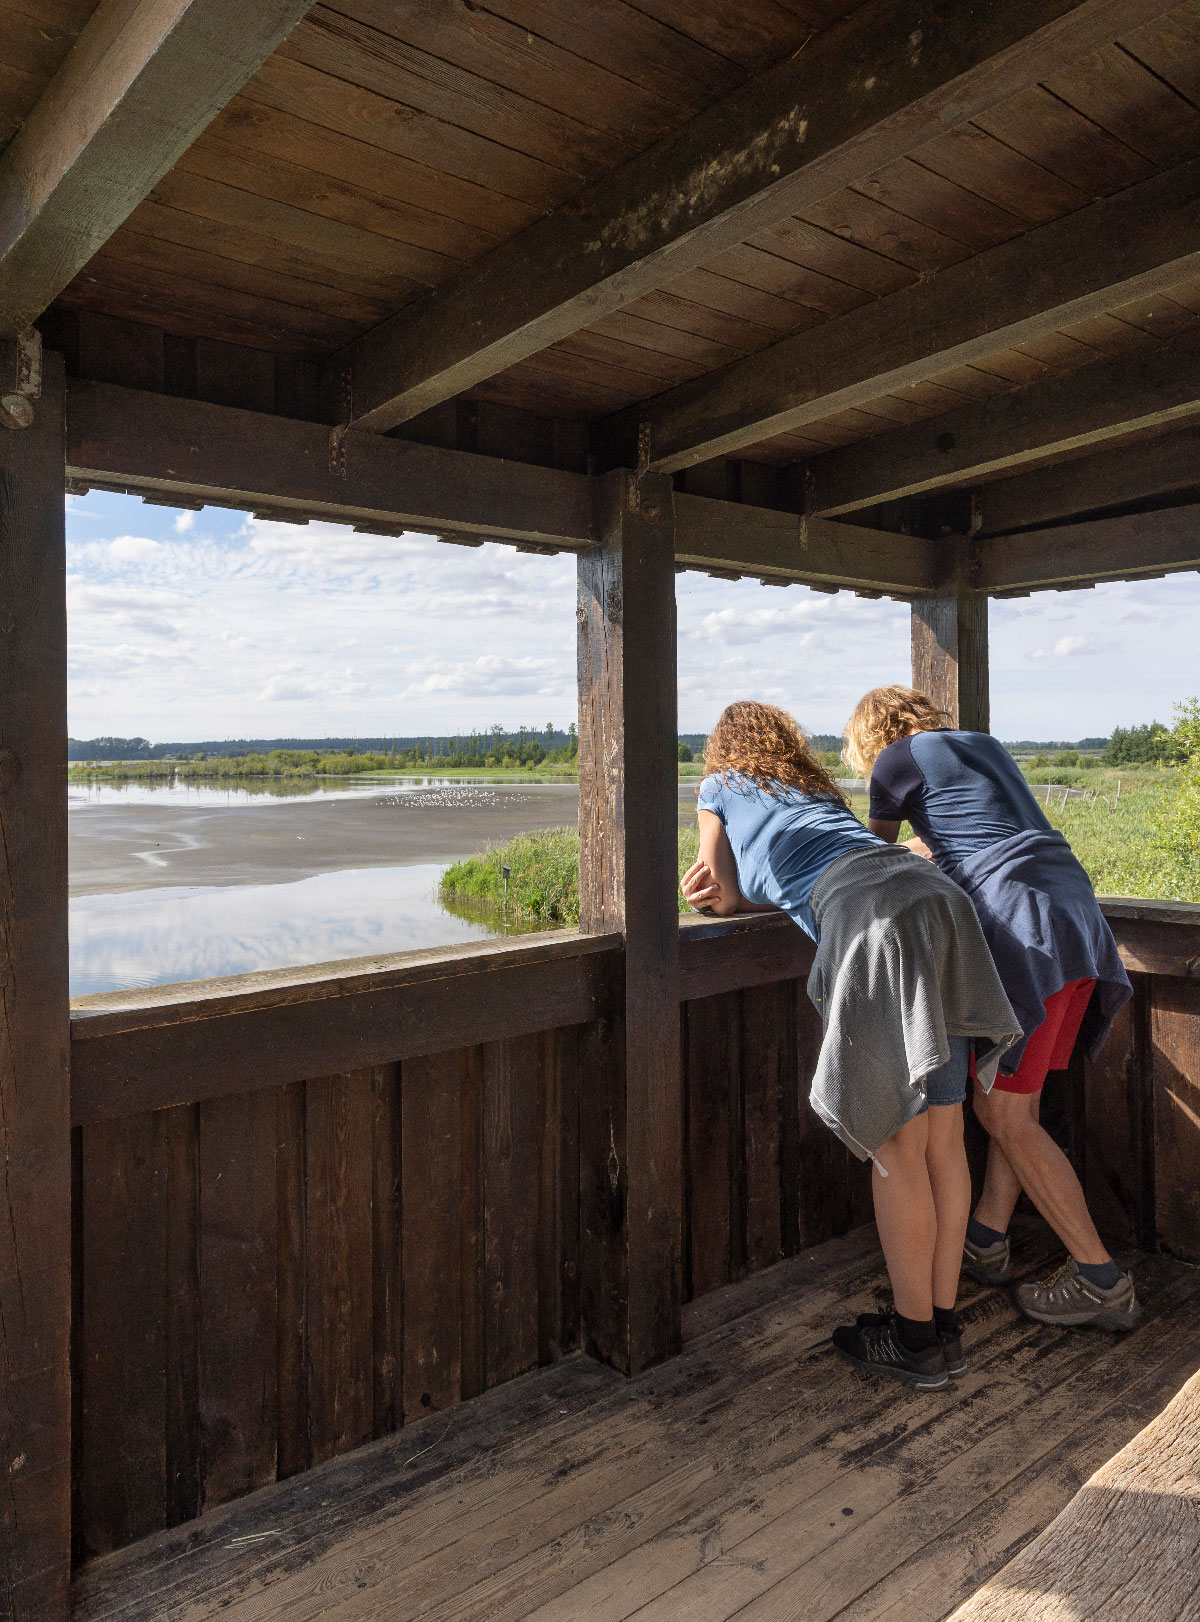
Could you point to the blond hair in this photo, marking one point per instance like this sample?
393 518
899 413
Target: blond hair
883 715
766 744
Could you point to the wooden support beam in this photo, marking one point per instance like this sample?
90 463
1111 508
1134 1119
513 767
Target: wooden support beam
142 80
859 95
1148 389
950 643
1121 248
712 534
631 1129
188 452
1165 541
153 444
1165 466
35 1140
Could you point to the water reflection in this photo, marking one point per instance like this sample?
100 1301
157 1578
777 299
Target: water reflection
155 937
185 793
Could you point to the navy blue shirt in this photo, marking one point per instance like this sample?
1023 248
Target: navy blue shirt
962 791
782 842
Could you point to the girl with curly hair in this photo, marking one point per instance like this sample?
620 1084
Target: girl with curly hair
904 985
978 820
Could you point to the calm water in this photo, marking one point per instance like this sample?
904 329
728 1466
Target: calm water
155 937
81 796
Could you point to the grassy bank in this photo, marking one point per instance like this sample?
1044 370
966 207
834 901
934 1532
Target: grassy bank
1116 839
543 883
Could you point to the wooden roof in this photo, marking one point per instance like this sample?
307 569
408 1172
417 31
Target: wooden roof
767 229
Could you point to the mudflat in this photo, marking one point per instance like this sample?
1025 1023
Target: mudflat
136 847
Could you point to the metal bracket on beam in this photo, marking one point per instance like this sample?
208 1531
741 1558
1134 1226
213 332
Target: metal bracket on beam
20 378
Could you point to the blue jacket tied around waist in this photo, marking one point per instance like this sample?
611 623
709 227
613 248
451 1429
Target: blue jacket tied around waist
1043 924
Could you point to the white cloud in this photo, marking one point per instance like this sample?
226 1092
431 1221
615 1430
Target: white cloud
227 625
134 548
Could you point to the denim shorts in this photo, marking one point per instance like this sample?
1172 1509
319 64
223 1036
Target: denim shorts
948 1083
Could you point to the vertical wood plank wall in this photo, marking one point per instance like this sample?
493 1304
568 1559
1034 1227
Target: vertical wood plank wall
267 1279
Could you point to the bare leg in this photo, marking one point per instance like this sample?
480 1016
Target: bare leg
1044 1172
906 1218
950 1184
1001 1185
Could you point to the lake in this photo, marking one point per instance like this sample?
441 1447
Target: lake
195 881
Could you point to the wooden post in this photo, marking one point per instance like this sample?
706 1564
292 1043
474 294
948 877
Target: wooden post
950 644
631 1130
35 1224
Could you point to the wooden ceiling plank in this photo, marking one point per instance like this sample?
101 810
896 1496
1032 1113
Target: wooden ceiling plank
674 310
254 127
1170 47
944 205
486 44
1056 136
285 182
739 299
294 87
263 278
978 161
787 279
140 83
173 227
1164 541
361 55
1061 274
861 219
870 90
1154 388
1115 91
296 228
834 256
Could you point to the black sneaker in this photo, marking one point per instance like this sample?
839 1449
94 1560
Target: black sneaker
952 1351
872 1344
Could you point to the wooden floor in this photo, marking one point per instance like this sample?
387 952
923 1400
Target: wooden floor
755 1476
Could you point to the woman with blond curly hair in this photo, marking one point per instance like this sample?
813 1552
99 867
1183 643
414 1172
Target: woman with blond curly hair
977 819
903 982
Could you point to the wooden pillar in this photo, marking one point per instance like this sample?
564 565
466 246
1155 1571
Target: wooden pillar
950 645
35 1223
631 1128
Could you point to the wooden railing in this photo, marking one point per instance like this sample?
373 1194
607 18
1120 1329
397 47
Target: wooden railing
312 1204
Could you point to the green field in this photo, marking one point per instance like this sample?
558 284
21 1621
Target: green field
1116 837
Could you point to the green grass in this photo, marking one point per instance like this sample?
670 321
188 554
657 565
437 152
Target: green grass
1116 840
543 885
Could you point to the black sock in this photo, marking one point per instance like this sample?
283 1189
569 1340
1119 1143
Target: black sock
914 1334
1105 1275
945 1321
980 1234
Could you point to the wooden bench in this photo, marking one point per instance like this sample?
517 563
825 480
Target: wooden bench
1127 1546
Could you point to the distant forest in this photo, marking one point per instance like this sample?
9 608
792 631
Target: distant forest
492 741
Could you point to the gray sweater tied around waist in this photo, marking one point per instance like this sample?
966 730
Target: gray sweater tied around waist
901 966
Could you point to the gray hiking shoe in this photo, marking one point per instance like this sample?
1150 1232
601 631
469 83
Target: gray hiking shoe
988 1264
1069 1299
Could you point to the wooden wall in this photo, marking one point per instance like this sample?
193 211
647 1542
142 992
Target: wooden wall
268 1276
266 1279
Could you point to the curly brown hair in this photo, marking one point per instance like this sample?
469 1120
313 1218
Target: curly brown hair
765 744
883 715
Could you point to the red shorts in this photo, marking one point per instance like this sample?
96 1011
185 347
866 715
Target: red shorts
1051 1045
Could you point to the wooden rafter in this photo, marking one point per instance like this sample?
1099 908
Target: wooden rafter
141 82
1141 471
866 92
1122 248
1166 541
1150 388
190 452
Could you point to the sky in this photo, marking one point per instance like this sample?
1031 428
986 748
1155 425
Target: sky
204 625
